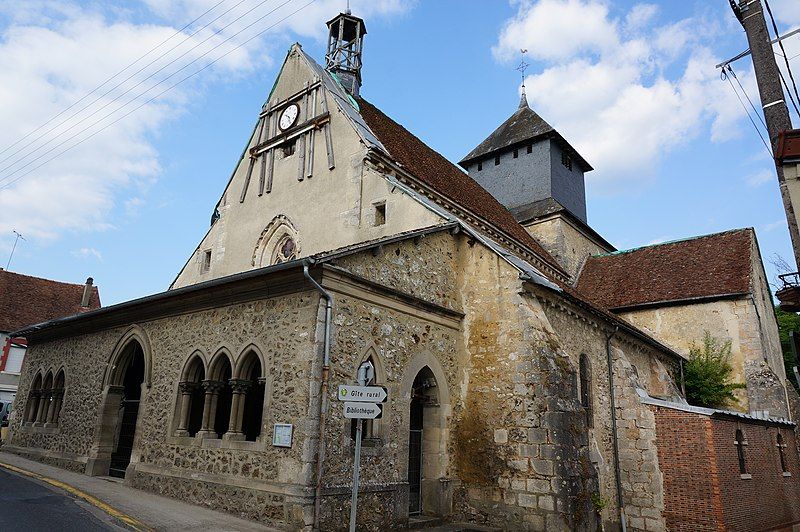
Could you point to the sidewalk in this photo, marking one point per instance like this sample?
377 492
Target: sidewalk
154 511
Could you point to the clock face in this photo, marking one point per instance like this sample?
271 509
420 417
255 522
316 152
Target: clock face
289 117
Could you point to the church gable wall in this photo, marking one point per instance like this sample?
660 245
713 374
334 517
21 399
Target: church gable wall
738 320
331 208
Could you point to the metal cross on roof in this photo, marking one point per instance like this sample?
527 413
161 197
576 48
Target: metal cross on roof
523 66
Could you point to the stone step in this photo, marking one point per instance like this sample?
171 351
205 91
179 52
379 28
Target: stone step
435 524
420 522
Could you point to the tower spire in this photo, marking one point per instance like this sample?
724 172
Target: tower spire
523 66
345 43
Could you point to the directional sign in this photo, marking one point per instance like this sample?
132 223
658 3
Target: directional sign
362 411
363 394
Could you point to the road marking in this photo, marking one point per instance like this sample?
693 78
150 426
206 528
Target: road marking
135 524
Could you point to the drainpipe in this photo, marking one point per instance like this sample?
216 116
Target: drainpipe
614 438
323 407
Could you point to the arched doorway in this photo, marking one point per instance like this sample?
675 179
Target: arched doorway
424 442
113 448
132 378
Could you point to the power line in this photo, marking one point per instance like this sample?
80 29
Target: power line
791 98
132 100
752 106
727 78
123 93
7 185
783 50
162 43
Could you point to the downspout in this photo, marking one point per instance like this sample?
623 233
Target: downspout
323 407
614 438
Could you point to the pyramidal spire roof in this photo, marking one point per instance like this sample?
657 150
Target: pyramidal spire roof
523 126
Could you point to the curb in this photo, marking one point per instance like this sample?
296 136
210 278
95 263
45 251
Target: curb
131 522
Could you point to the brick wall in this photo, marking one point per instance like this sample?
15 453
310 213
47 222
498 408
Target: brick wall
768 499
703 487
688 463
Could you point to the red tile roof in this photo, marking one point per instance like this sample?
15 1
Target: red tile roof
26 300
446 178
706 266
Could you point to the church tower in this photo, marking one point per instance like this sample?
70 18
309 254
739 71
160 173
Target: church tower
345 45
538 176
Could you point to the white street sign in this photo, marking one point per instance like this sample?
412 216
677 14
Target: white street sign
362 394
362 411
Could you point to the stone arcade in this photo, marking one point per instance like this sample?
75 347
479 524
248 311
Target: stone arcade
515 400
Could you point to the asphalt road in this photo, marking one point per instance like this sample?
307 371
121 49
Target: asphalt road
26 504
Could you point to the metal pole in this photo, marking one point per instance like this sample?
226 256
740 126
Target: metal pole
356 475
362 380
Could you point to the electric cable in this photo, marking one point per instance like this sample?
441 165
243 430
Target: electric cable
156 47
123 93
727 78
7 185
752 106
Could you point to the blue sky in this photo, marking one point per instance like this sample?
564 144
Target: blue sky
632 85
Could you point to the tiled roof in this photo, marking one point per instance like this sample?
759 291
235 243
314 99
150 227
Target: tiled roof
445 178
26 300
707 266
523 126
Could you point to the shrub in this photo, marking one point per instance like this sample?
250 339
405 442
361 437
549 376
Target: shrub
708 372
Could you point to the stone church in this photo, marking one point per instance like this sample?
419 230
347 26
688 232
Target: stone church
529 387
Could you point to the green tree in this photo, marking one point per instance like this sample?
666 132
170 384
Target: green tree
788 322
707 374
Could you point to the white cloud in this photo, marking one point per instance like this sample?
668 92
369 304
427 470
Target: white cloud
786 11
86 253
760 178
53 53
768 228
623 91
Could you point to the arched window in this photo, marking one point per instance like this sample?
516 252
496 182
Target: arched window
45 399
278 243
740 442
781 446
34 396
285 250
220 388
585 376
248 398
369 429
57 399
192 397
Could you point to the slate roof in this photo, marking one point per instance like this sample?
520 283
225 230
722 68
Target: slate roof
546 207
25 300
709 266
524 126
444 177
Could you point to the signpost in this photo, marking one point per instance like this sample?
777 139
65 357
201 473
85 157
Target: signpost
360 403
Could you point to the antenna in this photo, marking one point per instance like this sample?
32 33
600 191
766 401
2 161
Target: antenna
348 7
14 247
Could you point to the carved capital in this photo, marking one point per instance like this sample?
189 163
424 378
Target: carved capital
36 393
213 386
58 393
240 385
187 387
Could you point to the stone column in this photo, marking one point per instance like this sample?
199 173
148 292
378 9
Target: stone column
105 431
44 404
33 407
55 408
186 389
212 389
240 388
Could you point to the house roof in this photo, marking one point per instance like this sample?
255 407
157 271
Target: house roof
789 146
709 266
444 177
27 300
523 126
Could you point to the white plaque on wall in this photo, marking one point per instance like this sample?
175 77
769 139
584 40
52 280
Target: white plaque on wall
282 435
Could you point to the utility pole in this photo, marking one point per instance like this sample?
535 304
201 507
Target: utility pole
776 113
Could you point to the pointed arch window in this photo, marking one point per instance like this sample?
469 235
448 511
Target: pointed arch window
585 377
34 397
285 250
740 443
782 453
